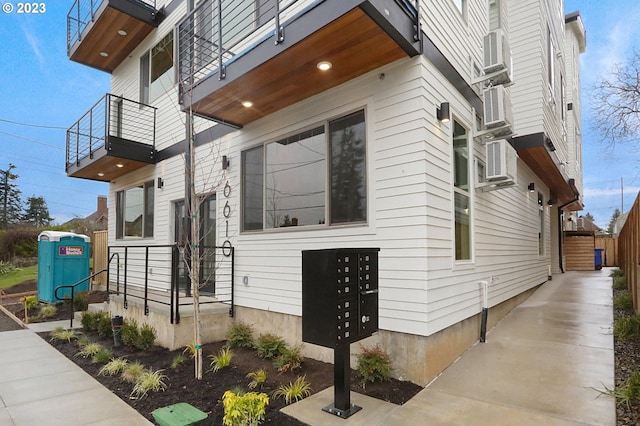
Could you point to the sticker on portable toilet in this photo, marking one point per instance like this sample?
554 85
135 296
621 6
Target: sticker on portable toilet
70 251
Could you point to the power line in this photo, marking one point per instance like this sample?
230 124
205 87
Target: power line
33 125
32 141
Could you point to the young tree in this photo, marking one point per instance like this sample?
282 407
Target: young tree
616 103
590 217
37 212
10 203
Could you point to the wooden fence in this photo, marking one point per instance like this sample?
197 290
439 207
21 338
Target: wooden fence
629 250
610 246
100 254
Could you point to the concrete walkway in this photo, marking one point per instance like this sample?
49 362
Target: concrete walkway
541 365
40 386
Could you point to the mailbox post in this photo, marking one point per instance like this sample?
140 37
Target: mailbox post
339 307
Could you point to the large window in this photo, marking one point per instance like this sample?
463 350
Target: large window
308 177
156 70
462 207
134 211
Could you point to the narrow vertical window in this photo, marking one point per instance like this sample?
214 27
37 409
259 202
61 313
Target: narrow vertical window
144 78
135 211
462 207
348 169
252 189
550 61
540 224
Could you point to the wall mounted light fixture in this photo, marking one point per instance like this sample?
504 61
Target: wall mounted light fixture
531 187
160 183
443 114
551 202
225 162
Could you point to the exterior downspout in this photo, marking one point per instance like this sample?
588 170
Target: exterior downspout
561 224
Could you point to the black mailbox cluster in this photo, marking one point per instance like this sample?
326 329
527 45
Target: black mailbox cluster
339 295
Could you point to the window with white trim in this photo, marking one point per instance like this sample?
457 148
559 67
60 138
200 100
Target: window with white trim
315 177
134 211
157 73
462 204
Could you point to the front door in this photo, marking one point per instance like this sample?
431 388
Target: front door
206 243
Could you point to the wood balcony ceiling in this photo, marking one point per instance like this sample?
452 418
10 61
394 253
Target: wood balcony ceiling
353 43
103 37
104 167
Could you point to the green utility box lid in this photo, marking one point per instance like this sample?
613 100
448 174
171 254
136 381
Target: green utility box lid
180 414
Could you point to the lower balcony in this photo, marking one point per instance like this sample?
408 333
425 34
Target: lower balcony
115 137
537 152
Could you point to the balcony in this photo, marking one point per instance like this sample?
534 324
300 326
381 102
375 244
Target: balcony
266 52
115 137
102 33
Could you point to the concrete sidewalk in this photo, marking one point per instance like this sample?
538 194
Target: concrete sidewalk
541 365
40 386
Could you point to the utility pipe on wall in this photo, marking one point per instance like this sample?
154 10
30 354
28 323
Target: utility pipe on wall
485 310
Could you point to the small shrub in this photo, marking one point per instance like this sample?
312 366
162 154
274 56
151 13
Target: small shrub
146 337
130 333
626 392
269 346
102 356
29 302
132 371
191 350
374 365
89 350
258 377
148 381
103 324
89 321
82 340
289 359
221 360
623 300
177 361
78 302
47 311
295 391
626 327
619 283
240 335
616 273
113 367
60 333
246 409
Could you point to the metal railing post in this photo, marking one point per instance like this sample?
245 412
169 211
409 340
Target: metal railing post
146 280
233 274
126 262
221 71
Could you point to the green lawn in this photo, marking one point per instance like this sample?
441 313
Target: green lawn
18 276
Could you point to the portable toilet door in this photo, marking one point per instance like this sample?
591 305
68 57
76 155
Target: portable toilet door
63 259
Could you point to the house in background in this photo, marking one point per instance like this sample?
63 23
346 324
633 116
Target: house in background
446 133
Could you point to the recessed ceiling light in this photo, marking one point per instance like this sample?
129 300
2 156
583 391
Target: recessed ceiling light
247 104
104 54
100 174
122 32
120 165
324 65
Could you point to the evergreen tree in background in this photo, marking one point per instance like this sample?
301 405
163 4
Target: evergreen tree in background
614 217
37 212
10 203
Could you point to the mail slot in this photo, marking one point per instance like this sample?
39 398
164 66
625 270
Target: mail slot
339 295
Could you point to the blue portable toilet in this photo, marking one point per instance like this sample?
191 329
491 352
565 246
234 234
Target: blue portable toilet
63 259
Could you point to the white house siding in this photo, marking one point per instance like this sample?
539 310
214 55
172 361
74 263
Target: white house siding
574 131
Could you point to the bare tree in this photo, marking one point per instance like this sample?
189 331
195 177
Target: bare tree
616 102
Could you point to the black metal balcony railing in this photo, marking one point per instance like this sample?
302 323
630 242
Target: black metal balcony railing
216 32
111 117
83 12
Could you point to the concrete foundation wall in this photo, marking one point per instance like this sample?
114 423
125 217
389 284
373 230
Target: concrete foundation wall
415 358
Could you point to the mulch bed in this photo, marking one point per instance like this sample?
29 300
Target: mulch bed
627 360
206 394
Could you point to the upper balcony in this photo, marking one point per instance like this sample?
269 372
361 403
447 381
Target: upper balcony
102 33
231 52
115 137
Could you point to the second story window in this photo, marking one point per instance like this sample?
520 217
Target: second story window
156 70
550 62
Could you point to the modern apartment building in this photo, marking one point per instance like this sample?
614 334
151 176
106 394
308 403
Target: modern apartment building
445 133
